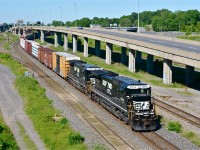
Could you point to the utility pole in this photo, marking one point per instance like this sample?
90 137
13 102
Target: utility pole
61 15
138 17
8 37
76 13
50 16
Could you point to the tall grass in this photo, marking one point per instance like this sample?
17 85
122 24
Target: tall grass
191 37
40 110
7 140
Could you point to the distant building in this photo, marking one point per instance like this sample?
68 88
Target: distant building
95 26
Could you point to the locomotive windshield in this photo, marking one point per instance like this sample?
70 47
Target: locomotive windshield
138 90
132 92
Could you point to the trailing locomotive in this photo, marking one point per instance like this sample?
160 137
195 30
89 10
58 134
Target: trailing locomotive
80 75
126 98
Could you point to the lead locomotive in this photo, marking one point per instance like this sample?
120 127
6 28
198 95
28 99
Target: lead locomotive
126 98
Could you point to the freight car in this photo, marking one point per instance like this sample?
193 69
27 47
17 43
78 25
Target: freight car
126 98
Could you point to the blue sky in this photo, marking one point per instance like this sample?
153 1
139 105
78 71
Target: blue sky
46 10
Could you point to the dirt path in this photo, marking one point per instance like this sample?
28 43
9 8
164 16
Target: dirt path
12 109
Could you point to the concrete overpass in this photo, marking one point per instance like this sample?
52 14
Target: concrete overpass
170 49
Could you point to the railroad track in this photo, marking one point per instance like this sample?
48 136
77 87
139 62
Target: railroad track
105 131
193 120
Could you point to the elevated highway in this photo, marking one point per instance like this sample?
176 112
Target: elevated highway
170 49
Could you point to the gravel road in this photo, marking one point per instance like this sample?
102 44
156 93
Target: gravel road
11 106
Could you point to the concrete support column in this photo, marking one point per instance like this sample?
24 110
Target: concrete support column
108 53
150 63
85 47
33 32
55 39
42 36
74 37
66 42
24 31
189 75
123 55
167 71
59 38
19 31
132 57
97 48
139 56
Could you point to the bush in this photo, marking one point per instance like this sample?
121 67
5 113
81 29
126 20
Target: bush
7 141
174 126
1 128
64 121
75 138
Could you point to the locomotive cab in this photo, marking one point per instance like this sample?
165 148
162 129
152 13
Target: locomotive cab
141 111
136 98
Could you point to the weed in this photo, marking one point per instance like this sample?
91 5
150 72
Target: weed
75 138
174 126
99 147
193 137
64 121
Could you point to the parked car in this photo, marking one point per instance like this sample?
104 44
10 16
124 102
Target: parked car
80 27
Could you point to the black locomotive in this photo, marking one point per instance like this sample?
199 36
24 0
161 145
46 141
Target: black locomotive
126 98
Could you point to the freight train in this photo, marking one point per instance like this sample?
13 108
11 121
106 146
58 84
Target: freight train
128 99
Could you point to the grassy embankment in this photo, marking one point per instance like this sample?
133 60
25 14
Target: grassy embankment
56 135
7 140
6 39
191 37
175 126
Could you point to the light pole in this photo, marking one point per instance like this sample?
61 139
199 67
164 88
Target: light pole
76 12
36 17
50 16
32 19
42 20
138 17
61 15
27 20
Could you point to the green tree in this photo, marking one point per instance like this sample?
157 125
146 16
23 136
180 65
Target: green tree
57 23
125 21
85 22
198 27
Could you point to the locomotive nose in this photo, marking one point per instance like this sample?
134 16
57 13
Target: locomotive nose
146 123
